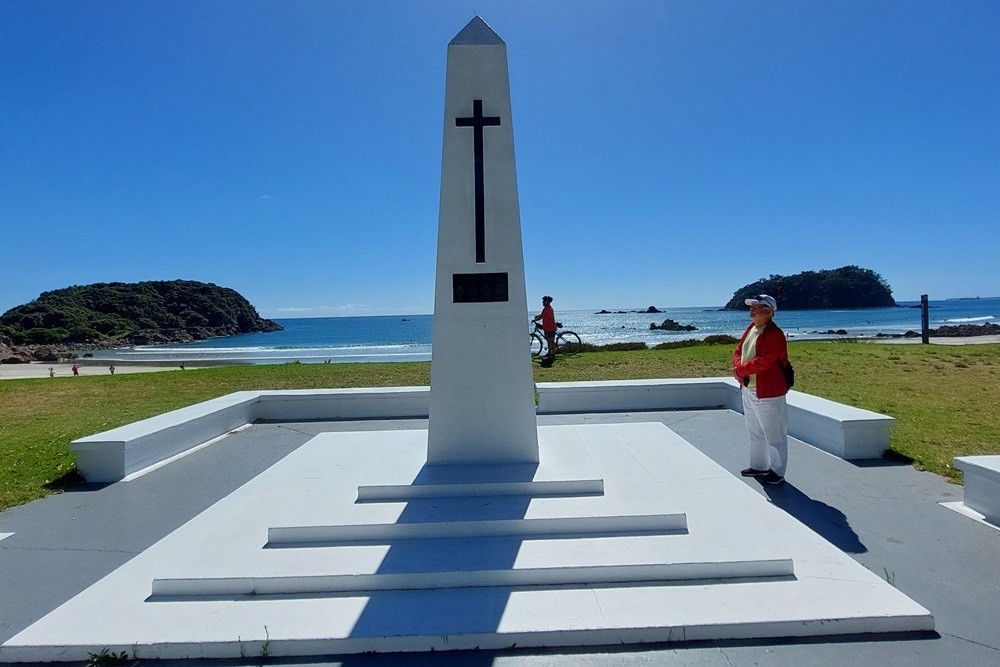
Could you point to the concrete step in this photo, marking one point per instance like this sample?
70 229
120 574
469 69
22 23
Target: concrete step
540 577
571 487
566 470
380 533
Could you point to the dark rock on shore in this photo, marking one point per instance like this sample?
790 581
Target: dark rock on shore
24 354
988 329
9 354
947 331
671 325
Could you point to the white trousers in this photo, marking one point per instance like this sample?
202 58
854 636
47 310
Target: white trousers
767 424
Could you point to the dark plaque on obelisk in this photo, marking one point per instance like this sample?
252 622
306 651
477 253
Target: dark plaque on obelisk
479 287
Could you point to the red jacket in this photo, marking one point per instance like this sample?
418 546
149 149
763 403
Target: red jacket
771 346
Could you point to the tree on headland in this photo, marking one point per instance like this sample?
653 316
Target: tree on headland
846 287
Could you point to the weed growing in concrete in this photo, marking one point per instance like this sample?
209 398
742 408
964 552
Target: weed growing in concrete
107 657
265 648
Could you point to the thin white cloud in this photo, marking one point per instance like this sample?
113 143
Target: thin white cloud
343 310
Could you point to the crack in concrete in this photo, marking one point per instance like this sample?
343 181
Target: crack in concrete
47 549
597 601
297 430
971 641
722 652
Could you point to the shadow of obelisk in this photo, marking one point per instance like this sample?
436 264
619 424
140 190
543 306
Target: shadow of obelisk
482 395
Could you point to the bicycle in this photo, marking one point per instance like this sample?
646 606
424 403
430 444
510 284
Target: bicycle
567 342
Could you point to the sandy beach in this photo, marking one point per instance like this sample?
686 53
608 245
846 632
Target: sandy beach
943 340
41 369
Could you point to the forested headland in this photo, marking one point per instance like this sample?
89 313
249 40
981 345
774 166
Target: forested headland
846 287
117 314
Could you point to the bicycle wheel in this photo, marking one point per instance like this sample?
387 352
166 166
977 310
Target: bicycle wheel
537 345
568 343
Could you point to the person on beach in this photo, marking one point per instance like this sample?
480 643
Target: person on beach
76 369
112 369
757 365
549 325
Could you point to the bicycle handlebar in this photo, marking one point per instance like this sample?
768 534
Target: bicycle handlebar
538 327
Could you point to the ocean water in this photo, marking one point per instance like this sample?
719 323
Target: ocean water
408 337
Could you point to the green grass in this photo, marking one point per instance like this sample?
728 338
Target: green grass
946 398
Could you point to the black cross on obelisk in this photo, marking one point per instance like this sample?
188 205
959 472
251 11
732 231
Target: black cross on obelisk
478 122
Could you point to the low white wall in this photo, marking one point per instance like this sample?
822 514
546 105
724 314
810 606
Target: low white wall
333 404
632 395
842 430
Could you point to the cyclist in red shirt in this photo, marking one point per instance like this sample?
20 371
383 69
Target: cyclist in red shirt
548 318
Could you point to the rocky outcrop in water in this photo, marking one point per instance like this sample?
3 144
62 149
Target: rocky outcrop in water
671 325
651 309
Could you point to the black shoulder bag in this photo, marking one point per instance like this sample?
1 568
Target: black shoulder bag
788 372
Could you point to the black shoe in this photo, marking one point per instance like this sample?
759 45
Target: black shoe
750 472
772 477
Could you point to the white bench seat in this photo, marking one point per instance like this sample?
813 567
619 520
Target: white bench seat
841 430
982 485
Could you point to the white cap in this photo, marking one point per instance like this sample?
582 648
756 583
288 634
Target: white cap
763 300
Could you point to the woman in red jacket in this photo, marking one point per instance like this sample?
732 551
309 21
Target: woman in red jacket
756 367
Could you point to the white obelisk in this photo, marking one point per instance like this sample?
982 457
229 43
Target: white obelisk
482 405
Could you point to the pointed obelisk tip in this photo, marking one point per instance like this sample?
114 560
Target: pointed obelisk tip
477 32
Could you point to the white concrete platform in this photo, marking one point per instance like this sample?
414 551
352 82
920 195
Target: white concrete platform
757 572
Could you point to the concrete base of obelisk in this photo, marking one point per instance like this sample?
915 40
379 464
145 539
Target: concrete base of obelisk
622 533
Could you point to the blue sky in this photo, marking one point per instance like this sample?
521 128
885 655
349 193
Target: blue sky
668 153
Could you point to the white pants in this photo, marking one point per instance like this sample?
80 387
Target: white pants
767 424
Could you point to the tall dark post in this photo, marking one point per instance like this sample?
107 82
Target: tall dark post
925 328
